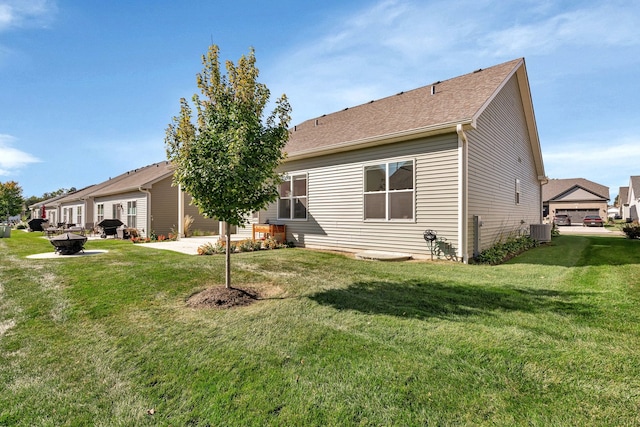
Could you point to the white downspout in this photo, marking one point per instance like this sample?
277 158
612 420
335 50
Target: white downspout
463 195
148 193
180 212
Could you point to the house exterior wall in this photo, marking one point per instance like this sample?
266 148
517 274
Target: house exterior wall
634 204
73 207
499 153
335 202
164 207
200 223
141 208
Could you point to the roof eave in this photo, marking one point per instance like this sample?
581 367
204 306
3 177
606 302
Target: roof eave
383 139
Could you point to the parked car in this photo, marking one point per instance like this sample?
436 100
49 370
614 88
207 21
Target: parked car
562 220
592 221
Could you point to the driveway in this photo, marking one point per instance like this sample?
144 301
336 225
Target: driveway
579 229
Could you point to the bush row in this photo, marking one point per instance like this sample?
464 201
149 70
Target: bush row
246 245
504 251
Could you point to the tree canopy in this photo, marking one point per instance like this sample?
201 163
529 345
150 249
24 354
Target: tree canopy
11 201
226 158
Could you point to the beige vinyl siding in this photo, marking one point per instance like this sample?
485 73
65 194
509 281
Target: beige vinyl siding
164 207
335 198
164 211
499 153
200 223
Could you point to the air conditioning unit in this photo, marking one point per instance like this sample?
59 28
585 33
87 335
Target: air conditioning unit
540 232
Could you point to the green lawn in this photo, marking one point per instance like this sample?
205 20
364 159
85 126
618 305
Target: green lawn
551 338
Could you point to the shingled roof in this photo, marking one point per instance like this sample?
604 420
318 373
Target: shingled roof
441 105
135 179
557 187
623 196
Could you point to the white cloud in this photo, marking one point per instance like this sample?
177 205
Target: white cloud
26 13
396 45
12 159
601 26
604 160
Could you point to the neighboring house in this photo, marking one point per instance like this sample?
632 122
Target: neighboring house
634 198
460 157
143 199
576 197
623 202
50 209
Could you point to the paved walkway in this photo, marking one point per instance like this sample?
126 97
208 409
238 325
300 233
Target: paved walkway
187 245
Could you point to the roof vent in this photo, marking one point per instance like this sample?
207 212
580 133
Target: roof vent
400 93
478 70
316 122
433 90
295 128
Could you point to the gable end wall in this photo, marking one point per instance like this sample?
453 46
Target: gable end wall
499 153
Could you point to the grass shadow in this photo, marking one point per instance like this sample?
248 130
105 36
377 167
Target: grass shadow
425 299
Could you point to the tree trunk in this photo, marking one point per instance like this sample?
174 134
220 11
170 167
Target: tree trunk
227 277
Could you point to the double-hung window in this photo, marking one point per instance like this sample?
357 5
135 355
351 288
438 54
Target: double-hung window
293 197
131 214
389 191
100 209
79 216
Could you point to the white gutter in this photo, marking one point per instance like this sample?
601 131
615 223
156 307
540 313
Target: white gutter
148 193
463 194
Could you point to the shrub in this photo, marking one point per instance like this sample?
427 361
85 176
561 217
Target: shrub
188 221
632 231
207 249
504 251
248 245
270 243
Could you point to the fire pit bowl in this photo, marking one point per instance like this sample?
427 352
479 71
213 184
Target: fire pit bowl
68 243
109 227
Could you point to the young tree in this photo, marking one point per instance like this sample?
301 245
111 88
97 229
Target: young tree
227 159
11 200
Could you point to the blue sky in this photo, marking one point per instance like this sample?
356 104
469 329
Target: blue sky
87 88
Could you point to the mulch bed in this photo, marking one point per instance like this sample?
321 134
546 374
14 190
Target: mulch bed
221 297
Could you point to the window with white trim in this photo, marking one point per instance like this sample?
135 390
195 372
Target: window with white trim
79 216
389 191
292 203
100 211
131 214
